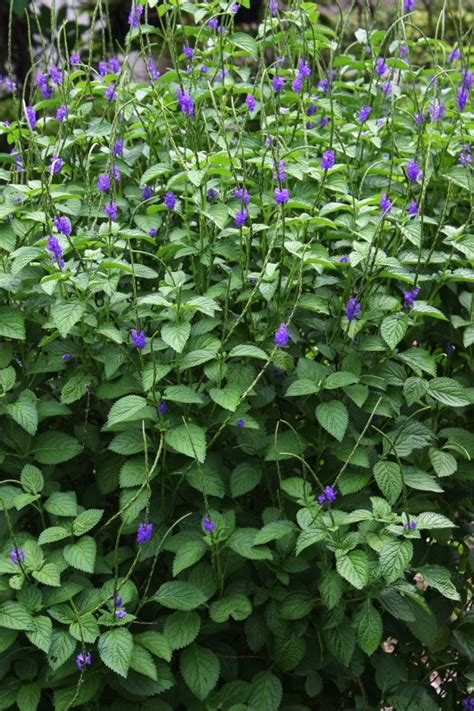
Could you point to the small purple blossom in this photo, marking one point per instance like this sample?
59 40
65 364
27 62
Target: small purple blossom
364 113
116 174
466 156
353 309
241 217
55 165
407 526
297 84
410 297
329 495
75 59
62 113
114 65
468 703
144 532
409 5
103 68
404 51
135 16
111 210
454 55
212 194
153 231
381 67
467 79
420 118
280 173
31 117
138 338
234 8
54 246
208 525
67 357
204 69
437 111
120 614
278 83
304 68
282 336
328 160
103 183
323 84
242 195
154 73
413 208
186 103
147 192
324 122
110 93
118 148
118 601
241 423
46 89
385 204
273 5
63 225
462 97
83 659
282 195
188 51
163 408
170 200
213 23
387 88
56 76
251 102
413 171
16 555
344 260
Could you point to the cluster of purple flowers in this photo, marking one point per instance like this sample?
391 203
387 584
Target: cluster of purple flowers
364 113
120 611
328 160
31 117
138 338
464 90
135 16
55 165
144 533
63 225
186 103
278 83
163 408
111 210
83 659
409 297
282 336
414 171
251 102
16 555
385 204
466 156
208 525
468 702
153 71
409 525
328 497
304 70
353 309
62 113
54 246
170 200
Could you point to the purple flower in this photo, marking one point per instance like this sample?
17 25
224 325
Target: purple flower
241 423
468 703
324 122
103 68
344 260
118 601
204 69
11 85
273 5
467 79
242 195
297 83
251 102
419 118
116 174
280 173
364 113
120 614
409 5
110 93
144 532
413 171
304 68
56 76
387 88
138 338
153 231
329 159
31 117
329 495
466 156
46 89
323 84
114 65
170 200
381 67
282 195
63 225
403 51
282 336
413 208
212 194
67 357
312 108
188 51
462 97
62 113
278 83
454 55
208 525
103 183
54 246
410 297
437 111
407 526
154 73
135 15
111 210
163 408
234 8
118 148
55 165
147 192
241 217
186 103
83 659
16 555
213 23
353 309
385 204
75 59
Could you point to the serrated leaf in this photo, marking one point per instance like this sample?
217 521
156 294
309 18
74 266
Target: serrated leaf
227 397
62 503
420 480
12 324
181 393
81 554
200 669
75 388
443 463
156 643
354 567
49 574
431 520
341 642
248 351
395 557
181 628
266 692
176 335
273 531
189 439
333 417
127 409
85 629
188 553
302 387
24 411
369 627
86 520
142 662
393 329
42 633
32 479
389 479
55 447
179 595
439 578
236 606
448 392
28 697
15 616
244 478
66 315
115 650
61 648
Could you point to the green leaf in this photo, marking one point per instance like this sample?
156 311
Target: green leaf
55 447
127 409
369 627
66 315
331 588
49 574
62 503
273 531
188 553
142 662
181 393
200 669
297 605
86 520
81 554
439 578
443 463
420 480
302 387
432 520
341 642
42 633
419 361
24 411
395 557
448 392
115 650
15 616
228 397
340 379
29 697
176 335
32 479
61 648
236 606
393 329
75 388
333 417
246 42
354 567
266 692
12 324
245 351
284 446
156 643
244 478
85 629
242 542
181 628
53 534
389 479
189 439
179 595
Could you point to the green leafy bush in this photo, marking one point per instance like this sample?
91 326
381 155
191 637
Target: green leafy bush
236 343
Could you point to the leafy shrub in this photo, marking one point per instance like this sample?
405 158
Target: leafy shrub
236 336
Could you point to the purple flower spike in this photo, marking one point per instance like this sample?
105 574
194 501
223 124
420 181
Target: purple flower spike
329 495
329 159
31 117
282 336
242 195
138 338
409 5
188 51
103 69
240 423
186 103
468 703
437 111
111 210
154 73
381 67
251 102
413 209
110 93
344 260
54 246
16 555
454 55
114 65
103 183
144 533
213 24
147 192
212 194
62 113
170 200
410 297
63 225
208 525
67 357
273 5
403 51
413 171
385 204
120 614
56 76
353 309
241 217
163 408
278 83
282 195
75 59
364 113
83 659
55 165
135 16
462 98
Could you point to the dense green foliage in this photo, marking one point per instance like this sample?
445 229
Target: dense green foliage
280 385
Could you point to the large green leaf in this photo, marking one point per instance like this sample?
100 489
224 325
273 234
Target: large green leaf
333 417
12 324
179 595
55 447
15 616
266 691
115 650
24 411
200 668
388 476
395 557
369 627
181 628
81 554
354 567
189 439
66 315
